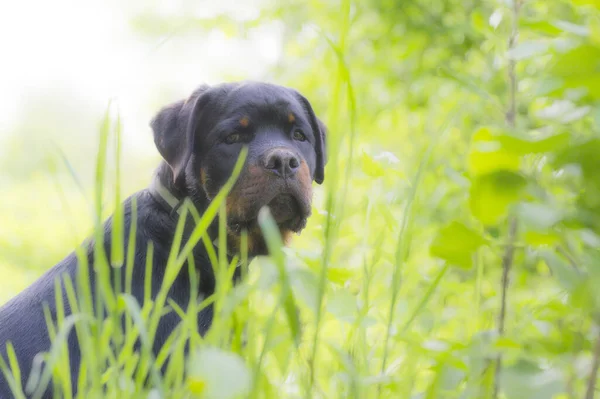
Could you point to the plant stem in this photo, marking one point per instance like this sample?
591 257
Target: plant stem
591 386
507 258
511 115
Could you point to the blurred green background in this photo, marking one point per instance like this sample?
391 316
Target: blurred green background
450 123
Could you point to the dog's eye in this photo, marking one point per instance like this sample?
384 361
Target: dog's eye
298 135
233 138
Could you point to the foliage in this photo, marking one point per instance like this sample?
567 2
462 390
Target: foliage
453 250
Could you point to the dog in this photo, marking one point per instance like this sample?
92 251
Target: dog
199 139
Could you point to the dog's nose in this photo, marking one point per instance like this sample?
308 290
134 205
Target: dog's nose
283 163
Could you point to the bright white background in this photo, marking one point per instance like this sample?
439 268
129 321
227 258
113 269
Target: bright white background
61 61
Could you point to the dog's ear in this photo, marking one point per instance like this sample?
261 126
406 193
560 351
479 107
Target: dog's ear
175 129
322 151
320 132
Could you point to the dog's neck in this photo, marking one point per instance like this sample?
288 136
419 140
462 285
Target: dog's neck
171 196
165 193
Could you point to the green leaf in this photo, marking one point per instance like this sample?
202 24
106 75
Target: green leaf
527 380
549 86
594 3
370 166
585 295
572 28
506 343
591 84
496 150
584 154
585 157
533 145
214 373
564 112
487 154
487 157
537 238
478 22
528 49
339 275
456 243
496 18
491 195
450 378
594 27
580 61
590 238
542 26
538 216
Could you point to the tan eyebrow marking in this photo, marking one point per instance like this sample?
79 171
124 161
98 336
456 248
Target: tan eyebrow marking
244 121
291 117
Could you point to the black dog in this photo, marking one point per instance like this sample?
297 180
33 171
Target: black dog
200 139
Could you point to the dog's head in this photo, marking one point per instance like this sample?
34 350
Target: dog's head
201 138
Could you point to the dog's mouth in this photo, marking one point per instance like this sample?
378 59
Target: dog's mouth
284 207
288 211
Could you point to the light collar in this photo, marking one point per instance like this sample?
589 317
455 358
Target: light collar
169 201
165 197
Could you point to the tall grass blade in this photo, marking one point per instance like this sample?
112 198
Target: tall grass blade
55 352
12 374
274 243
